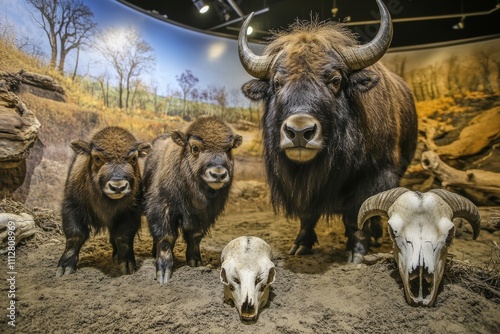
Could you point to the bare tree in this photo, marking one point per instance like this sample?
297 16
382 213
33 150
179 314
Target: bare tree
187 81
67 24
128 54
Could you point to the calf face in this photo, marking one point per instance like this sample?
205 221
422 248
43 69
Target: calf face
209 155
113 160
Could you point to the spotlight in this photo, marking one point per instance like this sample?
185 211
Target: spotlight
460 25
249 30
335 9
201 6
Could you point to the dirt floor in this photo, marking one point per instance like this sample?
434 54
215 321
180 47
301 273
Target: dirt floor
318 293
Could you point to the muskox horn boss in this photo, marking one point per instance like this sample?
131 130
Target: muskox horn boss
356 58
462 208
378 205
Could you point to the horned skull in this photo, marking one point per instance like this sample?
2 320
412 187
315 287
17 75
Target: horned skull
421 228
247 272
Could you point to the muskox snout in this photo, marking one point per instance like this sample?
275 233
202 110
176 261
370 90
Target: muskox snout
216 177
116 189
301 137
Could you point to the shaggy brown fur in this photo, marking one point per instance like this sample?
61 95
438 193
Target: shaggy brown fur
368 123
103 190
187 180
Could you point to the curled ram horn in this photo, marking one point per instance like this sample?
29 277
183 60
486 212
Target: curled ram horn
462 208
421 228
378 205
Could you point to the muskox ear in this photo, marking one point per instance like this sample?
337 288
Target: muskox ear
179 138
143 149
237 140
81 147
364 80
256 90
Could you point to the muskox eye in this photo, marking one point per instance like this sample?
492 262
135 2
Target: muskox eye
97 159
195 149
134 159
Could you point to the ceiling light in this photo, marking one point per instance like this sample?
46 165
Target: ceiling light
249 30
335 9
201 6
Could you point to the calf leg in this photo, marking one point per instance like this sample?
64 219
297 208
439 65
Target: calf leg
307 236
76 232
193 254
122 234
165 258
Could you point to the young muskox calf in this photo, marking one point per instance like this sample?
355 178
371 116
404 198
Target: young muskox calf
103 190
187 180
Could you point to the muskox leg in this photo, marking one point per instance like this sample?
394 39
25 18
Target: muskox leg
122 234
307 236
165 258
193 254
75 238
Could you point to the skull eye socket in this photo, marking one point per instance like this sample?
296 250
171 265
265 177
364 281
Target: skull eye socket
450 236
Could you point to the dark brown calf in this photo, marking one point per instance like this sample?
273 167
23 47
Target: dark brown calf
187 179
103 190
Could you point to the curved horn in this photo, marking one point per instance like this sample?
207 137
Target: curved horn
359 57
378 204
256 66
462 208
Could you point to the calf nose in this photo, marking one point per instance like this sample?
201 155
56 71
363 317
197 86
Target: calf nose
300 129
218 175
118 186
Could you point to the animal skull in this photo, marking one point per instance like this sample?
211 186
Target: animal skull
421 228
247 271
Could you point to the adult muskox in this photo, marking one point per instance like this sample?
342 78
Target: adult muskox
338 127
103 190
187 179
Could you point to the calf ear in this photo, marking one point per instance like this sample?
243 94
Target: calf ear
256 90
223 277
364 80
143 149
179 138
80 147
237 140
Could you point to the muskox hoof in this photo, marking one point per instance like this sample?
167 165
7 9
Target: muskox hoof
353 257
194 263
300 250
162 276
64 271
127 268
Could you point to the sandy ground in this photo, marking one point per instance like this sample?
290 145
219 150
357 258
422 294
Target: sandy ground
318 293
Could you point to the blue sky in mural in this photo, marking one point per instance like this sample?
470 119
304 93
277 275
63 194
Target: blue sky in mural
214 60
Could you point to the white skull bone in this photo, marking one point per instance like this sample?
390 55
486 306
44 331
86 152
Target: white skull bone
247 271
421 228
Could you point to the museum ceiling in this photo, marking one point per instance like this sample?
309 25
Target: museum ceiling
416 22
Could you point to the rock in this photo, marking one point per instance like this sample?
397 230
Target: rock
33 83
18 134
20 226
